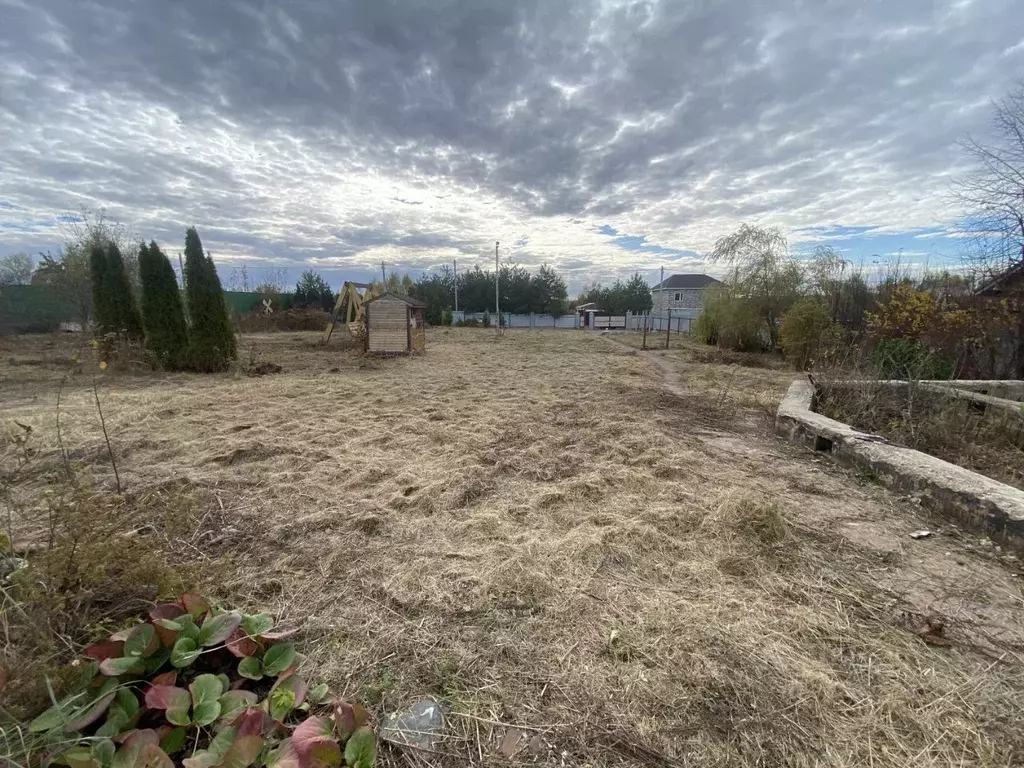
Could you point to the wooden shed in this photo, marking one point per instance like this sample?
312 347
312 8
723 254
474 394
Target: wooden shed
395 325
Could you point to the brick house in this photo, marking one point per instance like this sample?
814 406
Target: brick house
682 292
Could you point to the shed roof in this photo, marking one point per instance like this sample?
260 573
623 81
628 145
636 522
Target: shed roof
407 299
687 281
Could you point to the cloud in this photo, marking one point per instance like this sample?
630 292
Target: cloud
601 137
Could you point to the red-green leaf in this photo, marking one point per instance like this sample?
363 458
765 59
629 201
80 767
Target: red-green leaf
241 645
104 750
90 715
278 658
361 749
78 757
252 721
212 755
173 741
206 691
184 653
54 717
166 611
142 737
167 678
233 702
257 624
315 745
318 693
124 665
195 604
167 697
106 649
243 752
284 756
251 668
348 718
142 641
157 659
217 629
141 755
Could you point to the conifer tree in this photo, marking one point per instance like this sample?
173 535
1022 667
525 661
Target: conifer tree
125 311
103 317
162 312
212 341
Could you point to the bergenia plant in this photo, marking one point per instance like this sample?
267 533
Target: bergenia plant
199 687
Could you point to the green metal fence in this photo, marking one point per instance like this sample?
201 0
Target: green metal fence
42 308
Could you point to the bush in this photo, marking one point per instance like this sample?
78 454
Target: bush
909 359
446 318
162 311
807 332
202 685
705 330
733 323
286 320
487 320
213 342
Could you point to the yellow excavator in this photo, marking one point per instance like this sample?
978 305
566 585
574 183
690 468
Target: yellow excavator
349 305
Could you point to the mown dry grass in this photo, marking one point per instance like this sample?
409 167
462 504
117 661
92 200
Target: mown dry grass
595 557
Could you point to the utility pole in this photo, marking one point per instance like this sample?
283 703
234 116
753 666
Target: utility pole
497 301
455 265
661 290
383 277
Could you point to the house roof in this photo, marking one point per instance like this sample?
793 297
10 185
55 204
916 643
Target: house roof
1003 280
407 299
687 281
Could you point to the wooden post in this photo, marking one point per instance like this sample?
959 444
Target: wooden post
668 330
644 345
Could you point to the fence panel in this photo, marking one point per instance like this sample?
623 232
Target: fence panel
520 320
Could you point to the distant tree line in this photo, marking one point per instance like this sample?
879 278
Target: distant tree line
634 295
520 291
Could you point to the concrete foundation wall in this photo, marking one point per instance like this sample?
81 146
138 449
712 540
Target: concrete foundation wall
976 501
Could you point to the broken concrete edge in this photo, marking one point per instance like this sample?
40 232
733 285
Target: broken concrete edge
976 501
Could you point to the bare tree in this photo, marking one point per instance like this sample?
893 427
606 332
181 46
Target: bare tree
68 270
992 195
15 269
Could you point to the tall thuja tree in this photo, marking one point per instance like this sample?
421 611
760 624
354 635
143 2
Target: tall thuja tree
162 312
104 316
127 318
212 341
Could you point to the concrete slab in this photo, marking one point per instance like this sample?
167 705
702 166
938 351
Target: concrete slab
974 500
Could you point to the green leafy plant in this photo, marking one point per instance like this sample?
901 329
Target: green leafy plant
200 687
807 333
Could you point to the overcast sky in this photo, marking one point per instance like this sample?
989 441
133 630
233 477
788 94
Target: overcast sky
600 137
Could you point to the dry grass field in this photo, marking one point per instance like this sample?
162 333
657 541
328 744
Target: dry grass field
594 556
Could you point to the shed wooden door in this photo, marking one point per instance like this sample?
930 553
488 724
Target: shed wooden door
387 325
